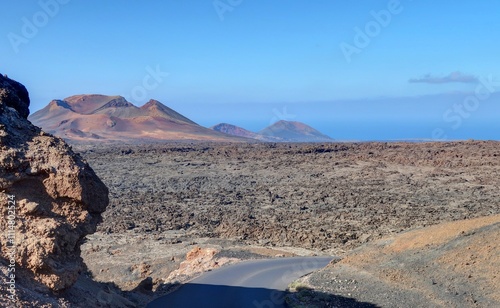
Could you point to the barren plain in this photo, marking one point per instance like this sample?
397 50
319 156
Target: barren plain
262 200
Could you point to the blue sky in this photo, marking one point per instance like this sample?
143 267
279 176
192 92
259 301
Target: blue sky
342 67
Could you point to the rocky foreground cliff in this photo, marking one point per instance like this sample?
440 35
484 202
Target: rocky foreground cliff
50 199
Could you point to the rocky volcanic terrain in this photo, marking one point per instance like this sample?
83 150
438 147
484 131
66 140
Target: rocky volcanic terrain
261 200
327 197
176 210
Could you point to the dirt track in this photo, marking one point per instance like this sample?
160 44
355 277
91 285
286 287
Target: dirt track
454 264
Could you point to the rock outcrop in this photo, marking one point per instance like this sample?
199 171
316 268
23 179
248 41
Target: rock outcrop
14 95
59 199
199 260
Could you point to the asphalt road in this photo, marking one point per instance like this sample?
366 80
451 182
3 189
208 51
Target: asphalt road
256 284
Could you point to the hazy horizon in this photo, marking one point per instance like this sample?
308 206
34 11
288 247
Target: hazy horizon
382 70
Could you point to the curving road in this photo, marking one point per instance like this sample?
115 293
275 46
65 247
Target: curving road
256 284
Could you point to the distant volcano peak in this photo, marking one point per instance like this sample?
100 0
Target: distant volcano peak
99 117
152 103
293 131
281 131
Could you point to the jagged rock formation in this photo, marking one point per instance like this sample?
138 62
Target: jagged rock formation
59 199
199 260
14 95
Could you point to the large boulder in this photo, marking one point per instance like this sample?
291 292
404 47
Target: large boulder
15 95
59 199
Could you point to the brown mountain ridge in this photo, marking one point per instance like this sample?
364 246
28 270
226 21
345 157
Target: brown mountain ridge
102 118
113 118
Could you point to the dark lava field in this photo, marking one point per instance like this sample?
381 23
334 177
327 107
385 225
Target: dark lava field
326 197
